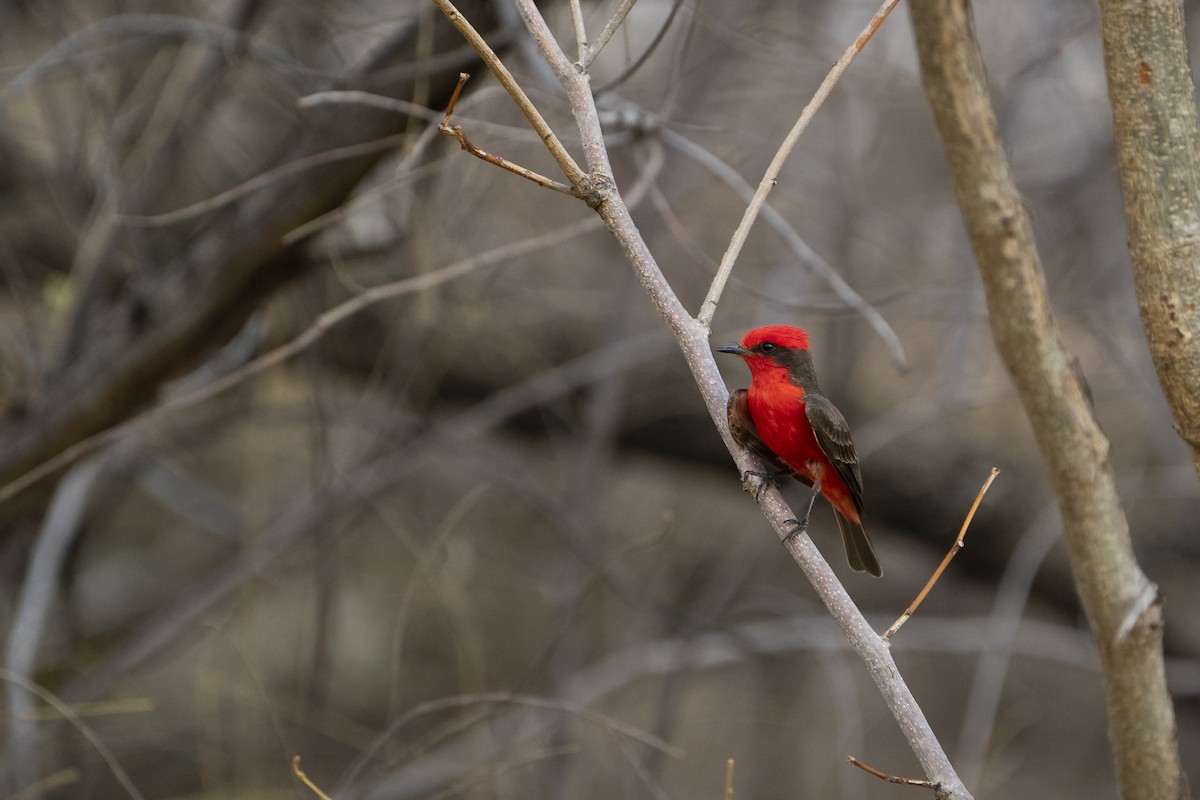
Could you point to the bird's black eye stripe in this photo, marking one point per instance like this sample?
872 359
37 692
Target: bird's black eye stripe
767 347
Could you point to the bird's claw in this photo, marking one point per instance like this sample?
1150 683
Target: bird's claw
766 479
801 527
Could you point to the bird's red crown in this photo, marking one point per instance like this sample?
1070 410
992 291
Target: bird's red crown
782 335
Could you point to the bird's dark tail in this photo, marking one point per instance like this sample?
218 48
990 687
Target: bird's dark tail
859 551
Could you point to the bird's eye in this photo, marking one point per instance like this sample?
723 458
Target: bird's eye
767 347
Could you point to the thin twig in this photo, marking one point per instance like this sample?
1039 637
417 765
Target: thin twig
306 781
890 778
729 779
575 175
456 131
709 307
937 573
581 41
463 77
499 161
88 732
264 180
589 55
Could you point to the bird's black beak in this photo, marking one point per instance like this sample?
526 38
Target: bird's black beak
736 349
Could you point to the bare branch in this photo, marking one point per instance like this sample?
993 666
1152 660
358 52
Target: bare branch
854 762
456 132
579 93
709 307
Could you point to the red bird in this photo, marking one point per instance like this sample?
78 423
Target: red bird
787 421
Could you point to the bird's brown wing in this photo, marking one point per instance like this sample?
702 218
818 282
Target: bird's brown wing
833 435
745 432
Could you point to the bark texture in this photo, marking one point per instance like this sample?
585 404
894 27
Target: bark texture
1158 146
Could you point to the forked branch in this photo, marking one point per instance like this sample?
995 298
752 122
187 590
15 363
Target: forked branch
456 131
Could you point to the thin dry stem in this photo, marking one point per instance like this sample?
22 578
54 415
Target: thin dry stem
959 543
456 132
299 773
709 307
583 104
463 77
883 776
729 779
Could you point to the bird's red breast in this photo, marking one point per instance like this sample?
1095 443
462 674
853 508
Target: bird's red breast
778 409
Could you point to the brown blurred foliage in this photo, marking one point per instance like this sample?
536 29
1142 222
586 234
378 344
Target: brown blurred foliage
482 531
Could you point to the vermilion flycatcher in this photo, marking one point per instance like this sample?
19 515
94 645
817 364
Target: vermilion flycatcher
787 421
